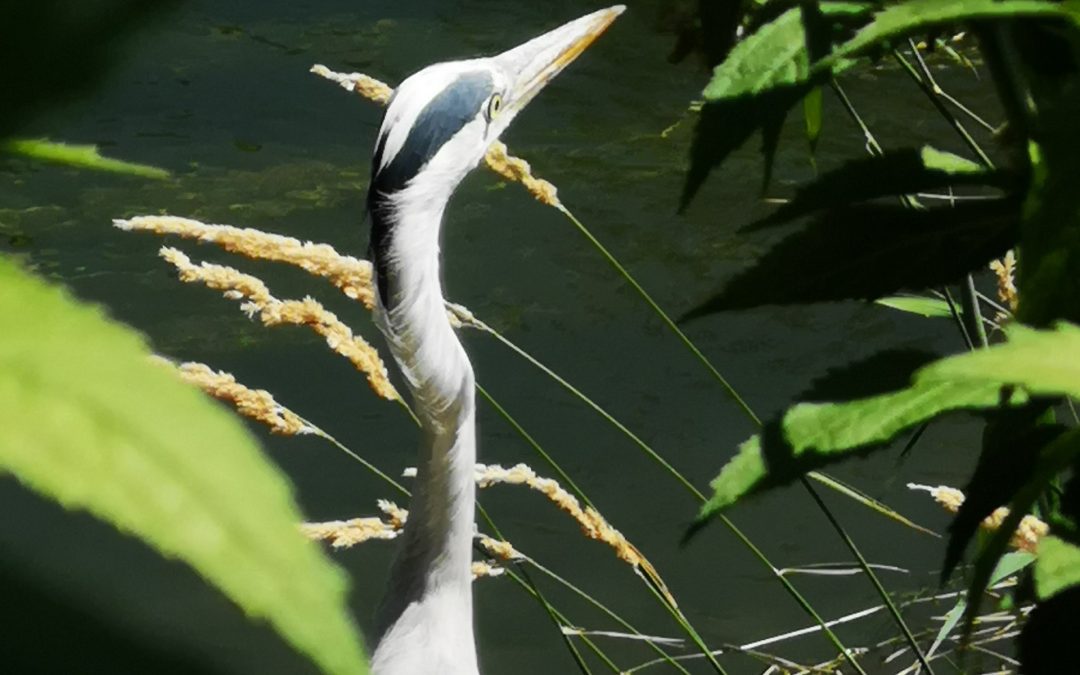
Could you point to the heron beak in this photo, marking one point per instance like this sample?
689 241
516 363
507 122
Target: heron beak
536 62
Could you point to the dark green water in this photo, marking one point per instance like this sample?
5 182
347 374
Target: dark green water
220 95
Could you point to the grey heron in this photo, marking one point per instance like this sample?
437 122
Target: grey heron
437 126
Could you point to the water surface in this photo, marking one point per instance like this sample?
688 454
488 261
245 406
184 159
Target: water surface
220 95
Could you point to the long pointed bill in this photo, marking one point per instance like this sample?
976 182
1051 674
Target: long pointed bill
539 60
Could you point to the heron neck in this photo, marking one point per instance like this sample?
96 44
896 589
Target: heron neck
432 573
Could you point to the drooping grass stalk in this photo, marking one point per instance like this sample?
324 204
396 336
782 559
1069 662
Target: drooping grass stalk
654 585
532 443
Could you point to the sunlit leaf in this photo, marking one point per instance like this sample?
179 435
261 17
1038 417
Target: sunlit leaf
947 162
904 18
769 56
78 156
928 307
759 79
88 420
1057 567
1044 362
813 435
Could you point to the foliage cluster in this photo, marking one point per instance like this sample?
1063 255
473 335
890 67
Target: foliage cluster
868 233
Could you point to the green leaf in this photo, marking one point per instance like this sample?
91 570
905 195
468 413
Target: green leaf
928 307
1010 564
770 56
1044 362
814 435
947 162
88 420
760 78
78 156
905 18
754 88
1057 567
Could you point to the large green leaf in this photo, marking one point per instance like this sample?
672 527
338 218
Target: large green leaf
919 15
86 419
770 55
761 80
1045 362
813 435
755 86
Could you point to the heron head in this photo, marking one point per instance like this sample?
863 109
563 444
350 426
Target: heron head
441 120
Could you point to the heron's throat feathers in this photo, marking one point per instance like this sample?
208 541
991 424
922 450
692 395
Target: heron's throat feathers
412 313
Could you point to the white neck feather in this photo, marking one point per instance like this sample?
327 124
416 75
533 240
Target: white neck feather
425 622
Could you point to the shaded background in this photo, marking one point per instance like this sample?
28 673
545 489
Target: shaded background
219 94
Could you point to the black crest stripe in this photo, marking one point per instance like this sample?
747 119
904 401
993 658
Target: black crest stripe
442 118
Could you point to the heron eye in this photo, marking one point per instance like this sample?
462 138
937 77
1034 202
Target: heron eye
494 106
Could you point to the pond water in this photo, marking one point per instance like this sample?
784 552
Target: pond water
220 95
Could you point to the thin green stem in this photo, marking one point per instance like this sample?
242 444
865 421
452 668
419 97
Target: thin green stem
969 300
645 447
603 608
926 82
614 262
584 667
958 318
563 621
539 449
897 618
